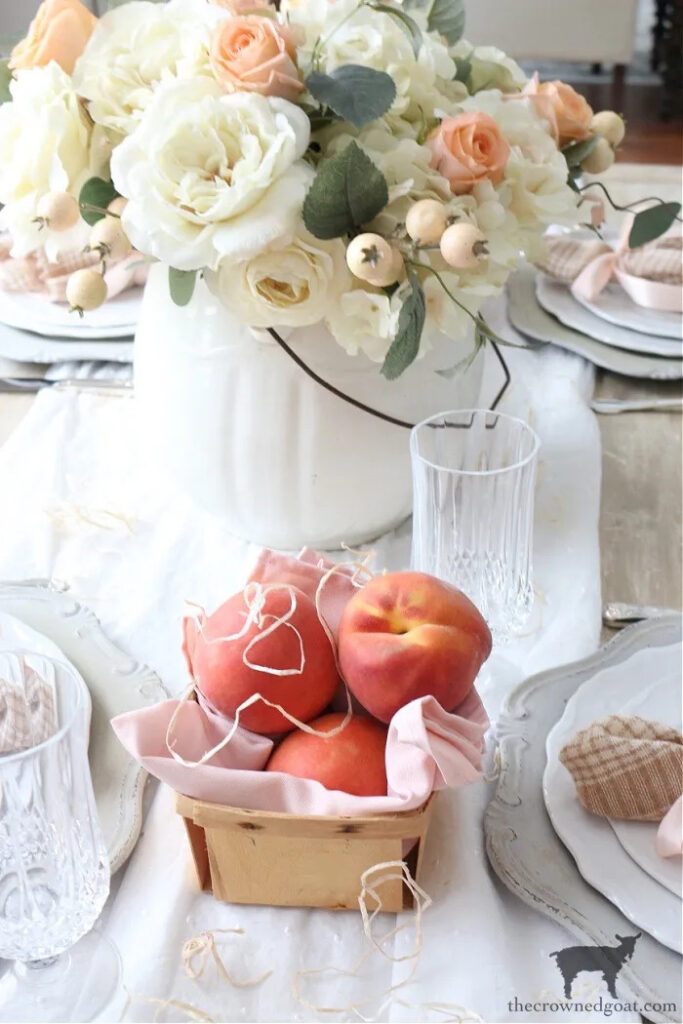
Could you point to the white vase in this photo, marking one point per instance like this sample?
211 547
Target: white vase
239 426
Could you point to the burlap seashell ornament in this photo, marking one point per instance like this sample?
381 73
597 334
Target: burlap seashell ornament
662 261
28 713
626 767
565 258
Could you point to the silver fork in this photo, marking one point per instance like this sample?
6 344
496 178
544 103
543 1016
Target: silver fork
616 615
30 385
610 406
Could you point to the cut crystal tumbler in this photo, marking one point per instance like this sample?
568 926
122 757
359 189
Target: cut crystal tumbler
54 872
473 510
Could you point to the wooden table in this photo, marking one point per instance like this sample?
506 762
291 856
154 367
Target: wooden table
640 522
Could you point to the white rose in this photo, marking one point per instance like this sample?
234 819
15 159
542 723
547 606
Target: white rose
136 47
290 284
210 175
364 321
44 146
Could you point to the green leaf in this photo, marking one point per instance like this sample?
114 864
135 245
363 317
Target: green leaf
408 24
463 69
406 344
5 79
181 285
95 193
447 17
651 223
576 152
356 93
348 191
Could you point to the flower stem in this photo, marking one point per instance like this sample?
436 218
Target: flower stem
479 321
321 41
91 208
622 209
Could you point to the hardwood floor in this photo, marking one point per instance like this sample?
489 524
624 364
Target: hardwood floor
649 140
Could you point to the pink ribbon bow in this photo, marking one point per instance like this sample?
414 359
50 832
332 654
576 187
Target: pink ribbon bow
600 271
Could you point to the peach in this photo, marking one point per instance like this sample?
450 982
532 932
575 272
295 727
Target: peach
407 635
218 664
351 761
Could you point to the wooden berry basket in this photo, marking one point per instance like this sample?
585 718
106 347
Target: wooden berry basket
284 860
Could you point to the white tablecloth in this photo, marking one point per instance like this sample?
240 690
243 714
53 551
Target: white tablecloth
481 946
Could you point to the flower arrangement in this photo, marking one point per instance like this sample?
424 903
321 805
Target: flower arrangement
352 162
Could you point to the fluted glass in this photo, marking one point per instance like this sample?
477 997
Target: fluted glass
54 873
474 474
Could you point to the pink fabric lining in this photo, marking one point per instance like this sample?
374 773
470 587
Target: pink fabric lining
669 840
427 749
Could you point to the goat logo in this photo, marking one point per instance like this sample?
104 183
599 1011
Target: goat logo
609 960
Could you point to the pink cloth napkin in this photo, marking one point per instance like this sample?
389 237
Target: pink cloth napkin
427 747
669 840
34 273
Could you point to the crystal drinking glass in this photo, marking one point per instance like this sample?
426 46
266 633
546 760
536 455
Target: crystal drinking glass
54 873
473 510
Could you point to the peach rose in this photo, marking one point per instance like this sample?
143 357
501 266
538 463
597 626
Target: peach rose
253 54
59 32
468 149
564 108
245 6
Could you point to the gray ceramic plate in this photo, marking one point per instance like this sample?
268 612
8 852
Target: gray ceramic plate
528 317
116 682
522 845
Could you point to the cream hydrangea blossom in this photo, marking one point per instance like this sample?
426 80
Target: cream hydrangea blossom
347 33
404 163
138 46
45 141
210 175
490 68
536 172
291 283
364 320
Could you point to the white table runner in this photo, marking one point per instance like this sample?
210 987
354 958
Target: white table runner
74 459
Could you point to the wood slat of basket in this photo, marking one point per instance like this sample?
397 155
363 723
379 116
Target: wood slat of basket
402 825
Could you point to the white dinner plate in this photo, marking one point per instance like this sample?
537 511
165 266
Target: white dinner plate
58 626
660 702
557 300
615 306
25 347
31 312
530 319
599 855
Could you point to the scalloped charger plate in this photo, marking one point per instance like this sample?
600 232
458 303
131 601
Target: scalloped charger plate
526 852
60 626
557 299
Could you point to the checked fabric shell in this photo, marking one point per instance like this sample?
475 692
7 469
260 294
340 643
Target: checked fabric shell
626 767
28 713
